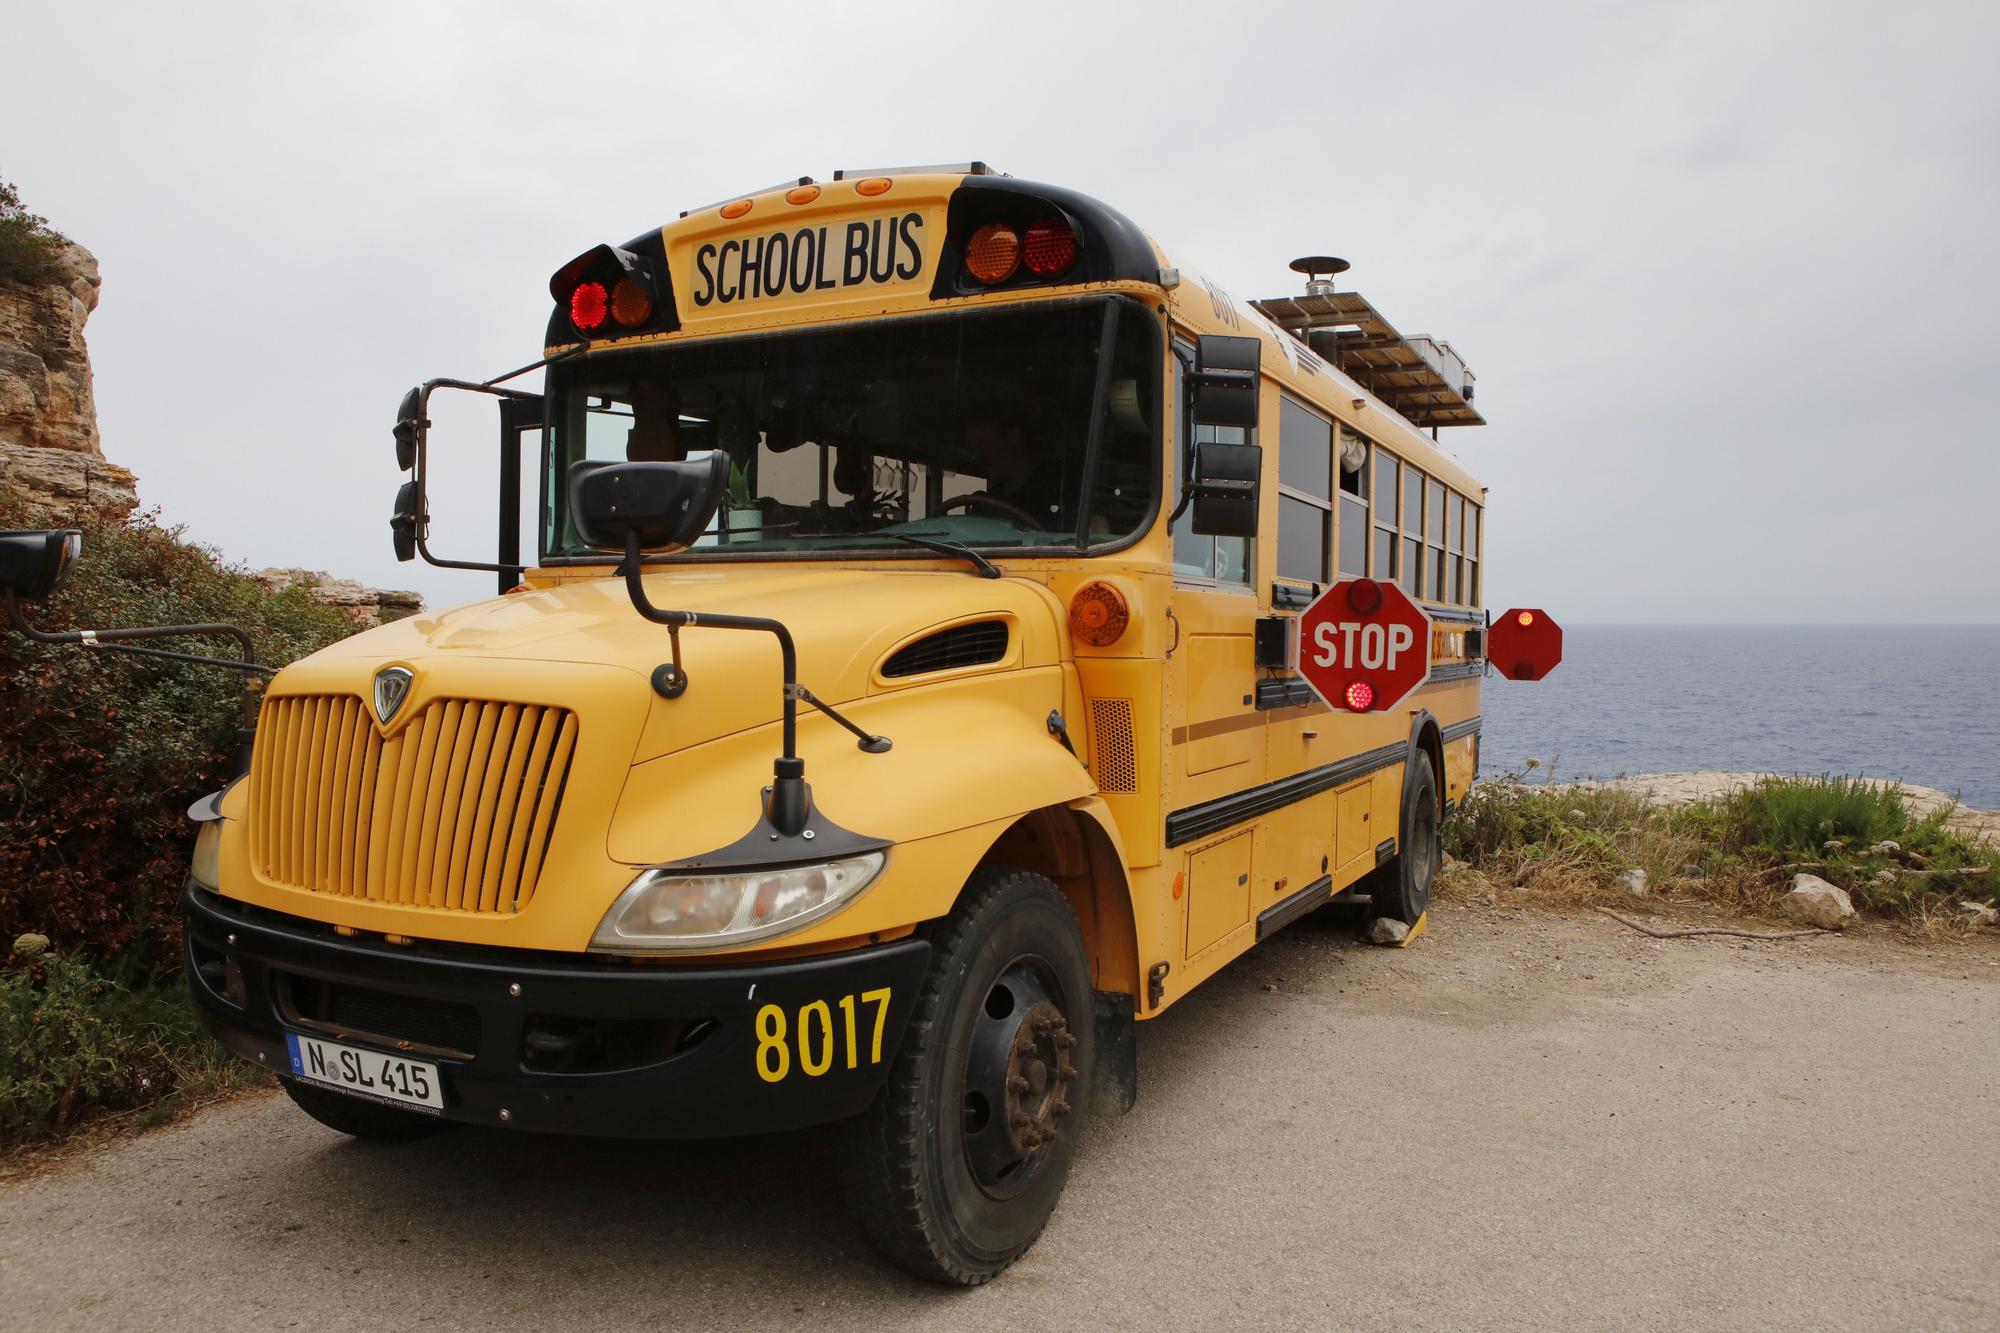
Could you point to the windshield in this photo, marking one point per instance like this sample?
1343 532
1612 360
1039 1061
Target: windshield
968 428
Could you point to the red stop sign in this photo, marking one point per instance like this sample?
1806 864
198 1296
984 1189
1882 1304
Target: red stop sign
1364 646
1524 644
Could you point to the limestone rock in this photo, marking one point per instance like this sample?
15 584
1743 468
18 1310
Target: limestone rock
1633 881
65 482
1818 903
1980 914
45 394
1387 930
366 607
30 945
1886 848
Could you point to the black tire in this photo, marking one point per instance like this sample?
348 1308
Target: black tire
1402 889
950 1179
362 1119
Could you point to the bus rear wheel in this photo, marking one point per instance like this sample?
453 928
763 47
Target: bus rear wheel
1401 890
958 1165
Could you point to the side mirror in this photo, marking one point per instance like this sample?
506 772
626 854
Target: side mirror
33 564
403 522
408 421
1225 380
1226 488
664 506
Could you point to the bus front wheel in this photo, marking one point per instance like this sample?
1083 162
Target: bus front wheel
956 1168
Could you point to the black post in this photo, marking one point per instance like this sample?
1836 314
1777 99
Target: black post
516 415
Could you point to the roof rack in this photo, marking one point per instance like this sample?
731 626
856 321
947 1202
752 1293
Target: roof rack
932 169
1421 378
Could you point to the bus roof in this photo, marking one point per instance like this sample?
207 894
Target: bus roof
892 241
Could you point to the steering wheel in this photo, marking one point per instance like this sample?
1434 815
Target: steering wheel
987 501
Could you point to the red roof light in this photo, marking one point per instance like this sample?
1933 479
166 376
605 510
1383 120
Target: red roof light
1049 247
588 305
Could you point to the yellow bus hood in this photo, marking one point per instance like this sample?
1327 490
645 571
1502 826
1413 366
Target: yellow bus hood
844 621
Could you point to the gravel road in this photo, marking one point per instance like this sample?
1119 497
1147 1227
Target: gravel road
1526 1120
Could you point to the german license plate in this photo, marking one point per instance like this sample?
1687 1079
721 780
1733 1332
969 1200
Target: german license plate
364 1073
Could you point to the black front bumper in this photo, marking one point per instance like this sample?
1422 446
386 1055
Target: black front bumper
566 1043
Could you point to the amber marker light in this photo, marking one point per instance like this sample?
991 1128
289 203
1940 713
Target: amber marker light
737 209
1098 615
629 303
1525 619
873 186
802 194
993 253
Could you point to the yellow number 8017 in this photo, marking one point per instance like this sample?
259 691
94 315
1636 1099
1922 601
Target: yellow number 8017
818 1037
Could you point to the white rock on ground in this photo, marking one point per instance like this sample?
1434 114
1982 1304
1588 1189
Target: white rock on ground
1886 848
1387 930
1633 881
1980 913
1818 903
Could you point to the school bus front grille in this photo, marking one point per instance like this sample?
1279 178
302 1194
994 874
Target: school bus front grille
453 811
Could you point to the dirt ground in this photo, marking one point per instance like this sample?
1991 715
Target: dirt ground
1527 1119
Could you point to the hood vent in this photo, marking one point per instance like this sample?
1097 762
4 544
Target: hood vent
978 644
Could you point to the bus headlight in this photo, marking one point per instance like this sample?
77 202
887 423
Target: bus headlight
206 869
665 912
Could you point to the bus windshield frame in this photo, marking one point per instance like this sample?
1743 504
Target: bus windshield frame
1003 429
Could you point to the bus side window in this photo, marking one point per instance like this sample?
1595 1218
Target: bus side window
1305 492
1353 524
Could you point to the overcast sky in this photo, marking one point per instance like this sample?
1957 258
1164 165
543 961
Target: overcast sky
1727 273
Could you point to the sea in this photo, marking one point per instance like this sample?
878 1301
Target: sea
1917 704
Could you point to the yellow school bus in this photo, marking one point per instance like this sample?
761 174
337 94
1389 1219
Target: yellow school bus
899 705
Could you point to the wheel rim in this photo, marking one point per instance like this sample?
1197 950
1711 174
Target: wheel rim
1018 1080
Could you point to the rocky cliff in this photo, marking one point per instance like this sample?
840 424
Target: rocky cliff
49 450
50 453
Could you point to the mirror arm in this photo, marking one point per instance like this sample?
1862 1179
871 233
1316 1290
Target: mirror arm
423 514
1185 429
789 805
106 640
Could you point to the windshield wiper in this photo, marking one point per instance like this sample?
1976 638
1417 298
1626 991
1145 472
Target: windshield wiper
987 569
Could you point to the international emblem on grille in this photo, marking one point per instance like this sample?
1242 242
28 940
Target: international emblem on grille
392 686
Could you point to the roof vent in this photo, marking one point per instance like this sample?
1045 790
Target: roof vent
1320 271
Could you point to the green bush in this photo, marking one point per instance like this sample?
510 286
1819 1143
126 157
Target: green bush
1836 823
28 245
1800 815
76 1045
101 753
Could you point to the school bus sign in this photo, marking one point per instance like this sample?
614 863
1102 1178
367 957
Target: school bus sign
1364 646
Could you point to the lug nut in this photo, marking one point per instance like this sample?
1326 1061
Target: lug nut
1068 1070
1017 1084
1061 1107
1064 1041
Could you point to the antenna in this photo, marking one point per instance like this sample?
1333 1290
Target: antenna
1314 266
